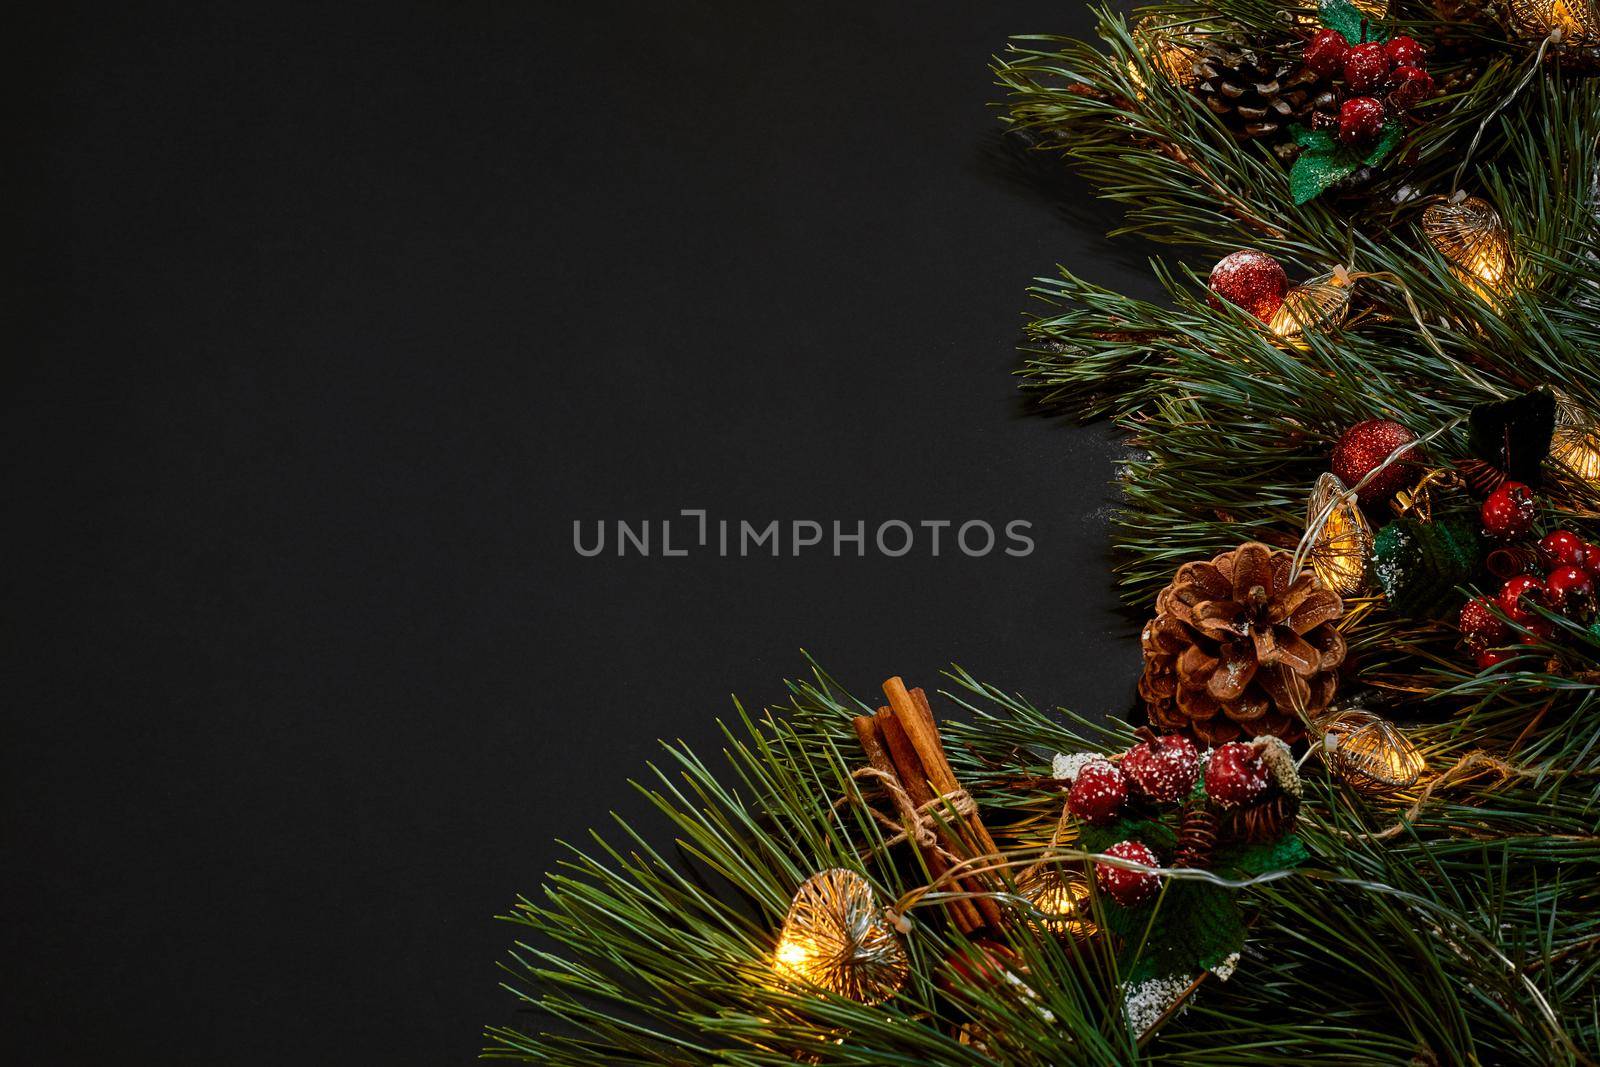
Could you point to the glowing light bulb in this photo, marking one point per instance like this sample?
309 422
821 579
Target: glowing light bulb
1060 897
1341 549
1369 751
1319 304
1574 20
1474 242
1575 445
836 937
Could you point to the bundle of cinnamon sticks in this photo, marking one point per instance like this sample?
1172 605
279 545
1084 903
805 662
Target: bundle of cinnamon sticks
902 740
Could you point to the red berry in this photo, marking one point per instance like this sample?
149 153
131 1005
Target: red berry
1591 559
1561 548
1364 447
1571 592
1408 87
1163 770
1405 52
1326 51
1360 121
1098 792
1490 658
1517 594
1480 627
1236 774
1250 280
1538 631
1127 887
1364 67
1509 511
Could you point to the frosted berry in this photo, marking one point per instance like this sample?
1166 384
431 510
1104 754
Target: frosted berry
1591 559
1164 769
1364 67
1404 51
1325 53
1509 511
1250 280
1125 886
1570 591
1538 631
1360 121
1236 774
1562 548
1516 596
1408 87
1491 658
1480 627
1098 792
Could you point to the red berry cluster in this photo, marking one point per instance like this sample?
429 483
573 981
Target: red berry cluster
1380 81
1570 567
1160 771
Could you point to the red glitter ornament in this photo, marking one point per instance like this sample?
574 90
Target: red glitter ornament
1360 121
1571 592
1098 792
1250 280
1516 596
1404 51
1325 52
1408 87
1562 548
1366 445
1509 511
1236 774
1163 769
1125 886
1480 627
1364 67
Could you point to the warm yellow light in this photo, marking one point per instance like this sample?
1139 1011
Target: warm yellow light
1575 20
1059 895
1340 550
1575 445
1168 48
837 938
1473 240
1318 304
1369 751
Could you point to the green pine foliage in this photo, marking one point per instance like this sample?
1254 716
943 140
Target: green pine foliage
1456 922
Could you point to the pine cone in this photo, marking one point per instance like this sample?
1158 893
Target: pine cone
1240 647
1259 96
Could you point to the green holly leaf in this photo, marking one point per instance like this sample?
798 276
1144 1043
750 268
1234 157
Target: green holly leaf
1196 927
1148 831
1316 140
1388 141
1343 16
1317 169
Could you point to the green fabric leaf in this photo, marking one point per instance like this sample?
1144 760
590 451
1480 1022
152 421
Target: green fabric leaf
1317 169
1197 927
1343 16
1158 836
1388 141
1319 140
1284 854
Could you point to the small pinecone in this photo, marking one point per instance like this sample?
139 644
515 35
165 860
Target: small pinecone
1241 647
1267 821
1259 96
1197 835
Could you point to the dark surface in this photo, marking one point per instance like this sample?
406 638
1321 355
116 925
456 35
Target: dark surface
334 319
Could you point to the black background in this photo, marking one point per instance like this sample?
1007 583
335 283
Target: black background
333 318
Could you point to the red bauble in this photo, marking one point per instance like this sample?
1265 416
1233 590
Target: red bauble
1509 511
1163 770
1098 792
1480 627
1404 51
1517 594
1251 280
1325 53
1124 886
1491 658
1408 87
1363 447
1364 67
1236 774
1360 121
1570 591
1562 548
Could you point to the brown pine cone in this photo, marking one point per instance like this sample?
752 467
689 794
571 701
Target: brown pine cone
1259 96
1240 647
